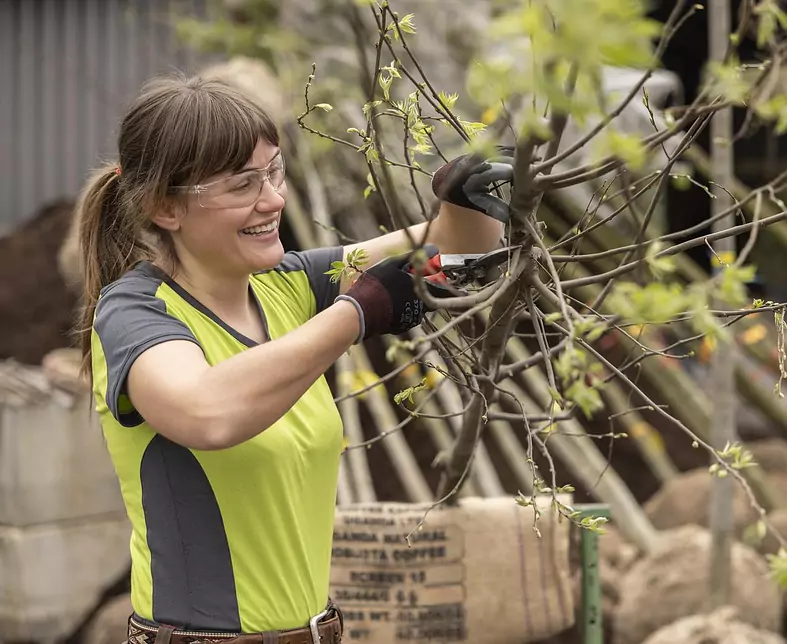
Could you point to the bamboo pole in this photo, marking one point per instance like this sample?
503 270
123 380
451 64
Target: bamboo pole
438 428
752 337
674 386
646 437
482 471
399 451
514 453
581 455
344 492
354 459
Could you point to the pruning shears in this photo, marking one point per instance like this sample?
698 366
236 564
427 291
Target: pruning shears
452 272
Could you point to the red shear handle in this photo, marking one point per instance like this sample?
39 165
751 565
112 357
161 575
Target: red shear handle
433 270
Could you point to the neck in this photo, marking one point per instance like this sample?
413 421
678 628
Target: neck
226 295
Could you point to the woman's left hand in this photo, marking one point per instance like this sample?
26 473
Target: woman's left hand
466 181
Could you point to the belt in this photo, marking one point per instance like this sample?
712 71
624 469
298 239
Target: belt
325 628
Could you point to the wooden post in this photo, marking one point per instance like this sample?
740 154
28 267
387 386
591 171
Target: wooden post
721 380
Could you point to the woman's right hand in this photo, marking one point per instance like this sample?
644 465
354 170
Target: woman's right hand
385 298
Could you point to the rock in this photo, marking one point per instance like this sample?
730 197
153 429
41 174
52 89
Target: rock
770 453
770 543
720 627
61 367
617 553
54 574
110 623
672 582
38 309
257 80
685 500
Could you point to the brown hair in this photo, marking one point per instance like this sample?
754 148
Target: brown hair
179 131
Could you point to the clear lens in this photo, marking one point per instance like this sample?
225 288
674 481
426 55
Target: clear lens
236 191
276 172
241 190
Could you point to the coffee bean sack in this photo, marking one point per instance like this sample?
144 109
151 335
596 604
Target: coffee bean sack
476 572
37 308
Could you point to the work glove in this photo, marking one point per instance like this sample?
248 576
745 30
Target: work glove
466 181
385 298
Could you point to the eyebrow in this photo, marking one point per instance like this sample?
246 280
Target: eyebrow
252 167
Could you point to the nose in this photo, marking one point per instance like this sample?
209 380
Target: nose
269 199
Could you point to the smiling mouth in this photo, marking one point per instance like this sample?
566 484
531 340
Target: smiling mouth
261 230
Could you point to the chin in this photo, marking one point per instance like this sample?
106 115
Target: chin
268 258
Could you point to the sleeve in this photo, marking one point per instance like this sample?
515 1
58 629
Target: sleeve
128 321
314 263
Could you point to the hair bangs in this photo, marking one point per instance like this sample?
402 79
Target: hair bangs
219 129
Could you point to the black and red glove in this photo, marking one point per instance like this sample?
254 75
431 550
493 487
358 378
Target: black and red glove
385 298
467 181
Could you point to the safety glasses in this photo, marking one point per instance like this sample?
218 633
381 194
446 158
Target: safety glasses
238 190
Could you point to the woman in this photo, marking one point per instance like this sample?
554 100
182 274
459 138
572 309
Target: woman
207 344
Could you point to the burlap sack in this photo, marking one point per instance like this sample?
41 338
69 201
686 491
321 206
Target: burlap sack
476 572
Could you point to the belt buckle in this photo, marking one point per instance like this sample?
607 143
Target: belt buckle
313 625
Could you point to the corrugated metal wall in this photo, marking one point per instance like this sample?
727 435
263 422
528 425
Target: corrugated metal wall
67 70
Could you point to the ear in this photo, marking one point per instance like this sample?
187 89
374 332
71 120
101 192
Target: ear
170 216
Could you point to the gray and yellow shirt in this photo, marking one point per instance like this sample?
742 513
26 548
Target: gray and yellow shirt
229 540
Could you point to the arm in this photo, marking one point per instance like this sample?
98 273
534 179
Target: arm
470 218
454 230
214 407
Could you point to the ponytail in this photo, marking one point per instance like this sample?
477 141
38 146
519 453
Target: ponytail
109 244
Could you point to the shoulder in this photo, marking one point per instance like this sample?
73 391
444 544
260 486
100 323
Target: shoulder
139 285
131 317
307 273
132 309
313 261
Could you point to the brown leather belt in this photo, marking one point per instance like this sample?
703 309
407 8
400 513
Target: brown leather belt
329 630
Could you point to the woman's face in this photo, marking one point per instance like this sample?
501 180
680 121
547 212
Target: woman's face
230 229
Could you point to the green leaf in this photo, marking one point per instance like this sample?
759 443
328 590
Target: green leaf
585 397
385 84
659 266
727 80
324 106
591 329
732 288
472 129
774 109
369 106
370 187
357 257
778 567
626 147
702 320
407 394
771 17
406 23
449 100
391 69
655 303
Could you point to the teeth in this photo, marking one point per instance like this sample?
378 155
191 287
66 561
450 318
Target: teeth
259 230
